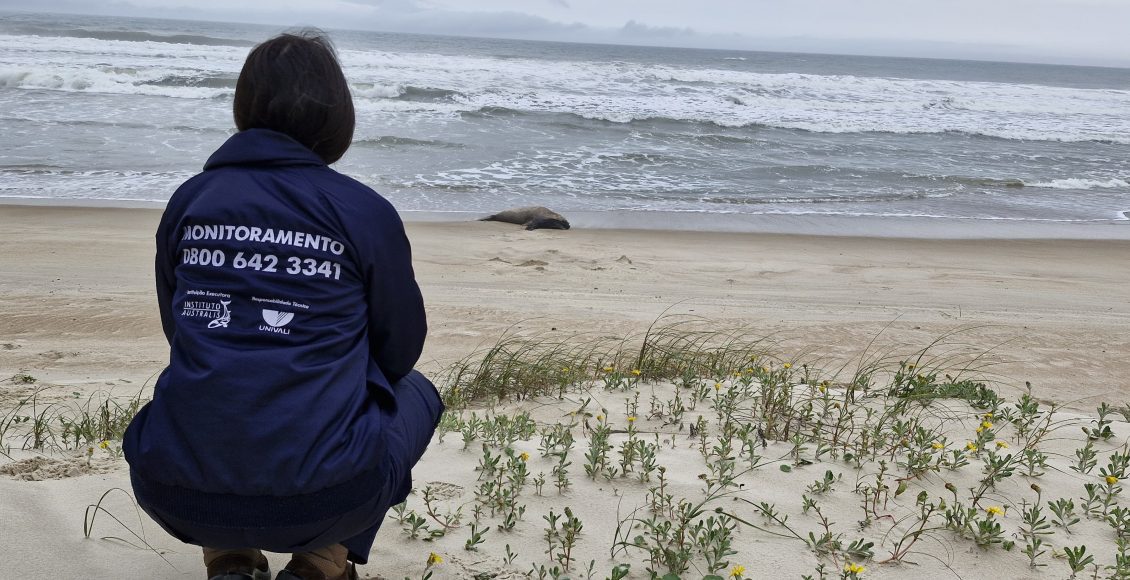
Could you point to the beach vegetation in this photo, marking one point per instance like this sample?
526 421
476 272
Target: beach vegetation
136 533
694 440
22 378
43 421
904 455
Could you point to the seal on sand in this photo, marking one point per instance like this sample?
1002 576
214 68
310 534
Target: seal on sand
533 217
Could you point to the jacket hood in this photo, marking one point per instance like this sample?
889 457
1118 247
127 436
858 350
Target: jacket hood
262 147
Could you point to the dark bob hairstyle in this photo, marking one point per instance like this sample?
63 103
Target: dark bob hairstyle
293 84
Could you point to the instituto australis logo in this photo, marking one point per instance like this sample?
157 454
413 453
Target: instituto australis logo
208 305
225 316
276 320
216 312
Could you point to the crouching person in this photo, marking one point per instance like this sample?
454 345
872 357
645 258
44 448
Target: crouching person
289 416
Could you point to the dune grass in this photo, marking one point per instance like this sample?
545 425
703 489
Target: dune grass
42 422
518 367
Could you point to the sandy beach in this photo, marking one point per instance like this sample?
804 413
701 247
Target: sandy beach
78 315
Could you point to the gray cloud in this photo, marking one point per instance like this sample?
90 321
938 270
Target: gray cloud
1072 31
507 24
637 29
390 5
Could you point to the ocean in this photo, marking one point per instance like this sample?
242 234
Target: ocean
106 110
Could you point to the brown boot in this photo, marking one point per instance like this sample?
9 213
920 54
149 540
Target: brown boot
239 567
299 568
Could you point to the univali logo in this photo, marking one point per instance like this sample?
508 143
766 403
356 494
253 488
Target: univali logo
277 319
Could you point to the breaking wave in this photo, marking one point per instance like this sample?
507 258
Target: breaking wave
128 36
1075 183
391 141
615 92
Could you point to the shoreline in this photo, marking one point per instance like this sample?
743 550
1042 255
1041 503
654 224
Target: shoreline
79 279
821 225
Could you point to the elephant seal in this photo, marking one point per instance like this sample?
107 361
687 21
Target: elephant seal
533 217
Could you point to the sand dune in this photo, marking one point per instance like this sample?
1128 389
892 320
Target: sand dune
78 316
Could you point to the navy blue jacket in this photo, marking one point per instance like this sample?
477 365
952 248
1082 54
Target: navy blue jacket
288 298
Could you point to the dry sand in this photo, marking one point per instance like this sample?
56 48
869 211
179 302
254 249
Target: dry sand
78 314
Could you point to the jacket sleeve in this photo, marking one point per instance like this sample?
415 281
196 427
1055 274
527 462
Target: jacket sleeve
164 263
397 322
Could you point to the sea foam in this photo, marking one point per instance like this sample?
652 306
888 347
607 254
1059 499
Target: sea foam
616 92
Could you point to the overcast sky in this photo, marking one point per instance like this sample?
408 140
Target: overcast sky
1069 31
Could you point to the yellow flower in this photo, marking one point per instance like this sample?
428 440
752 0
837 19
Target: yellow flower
764 369
600 417
854 568
717 386
1111 480
994 511
787 366
434 559
988 416
737 571
822 388
1002 445
979 430
524 456
564 369
636 372
632 419
104 444
987 425
938 445
609 369
971 446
